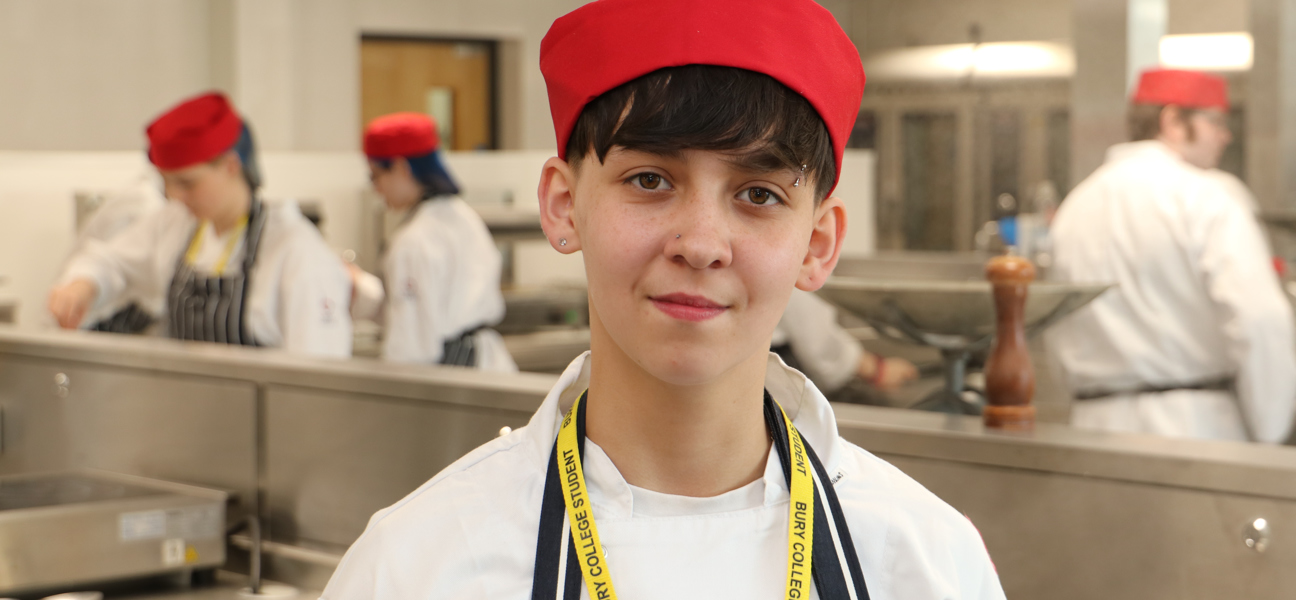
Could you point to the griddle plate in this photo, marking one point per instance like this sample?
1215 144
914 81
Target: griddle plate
57 490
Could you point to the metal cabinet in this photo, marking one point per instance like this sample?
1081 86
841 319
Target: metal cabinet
333 459
63 414
1062 536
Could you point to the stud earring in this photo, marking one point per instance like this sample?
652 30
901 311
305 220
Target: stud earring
562 242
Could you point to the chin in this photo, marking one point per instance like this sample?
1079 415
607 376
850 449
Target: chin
684 364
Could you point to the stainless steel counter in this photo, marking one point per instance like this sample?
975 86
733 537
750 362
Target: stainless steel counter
315 446
226 587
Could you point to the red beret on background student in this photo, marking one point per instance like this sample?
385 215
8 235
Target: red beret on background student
699 141
216 264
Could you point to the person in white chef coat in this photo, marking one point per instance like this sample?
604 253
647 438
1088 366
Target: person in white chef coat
117 211
222 265
679 458
1196 339
441 267
809 339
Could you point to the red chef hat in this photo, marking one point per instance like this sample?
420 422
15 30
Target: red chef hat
197 130
604 44
401 134
1189 89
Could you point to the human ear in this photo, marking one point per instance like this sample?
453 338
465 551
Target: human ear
401 167
557 201
231 164
825 244
1173 126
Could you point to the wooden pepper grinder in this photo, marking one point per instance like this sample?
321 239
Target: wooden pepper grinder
1010 378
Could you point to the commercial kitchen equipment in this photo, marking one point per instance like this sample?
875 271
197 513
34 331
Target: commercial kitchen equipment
66 529
956 317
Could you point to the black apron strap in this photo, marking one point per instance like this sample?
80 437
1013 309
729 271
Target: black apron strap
843 529
553 515
544 582
827 572
251 249
1226 383
829 578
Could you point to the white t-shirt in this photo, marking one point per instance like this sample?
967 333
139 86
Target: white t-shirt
471 531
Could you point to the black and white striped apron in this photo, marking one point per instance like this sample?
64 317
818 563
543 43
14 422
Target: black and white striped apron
461 351
131 319
213 309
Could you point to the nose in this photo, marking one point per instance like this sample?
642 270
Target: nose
701 236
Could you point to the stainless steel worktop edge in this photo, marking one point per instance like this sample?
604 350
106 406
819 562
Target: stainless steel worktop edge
1249 469
520 391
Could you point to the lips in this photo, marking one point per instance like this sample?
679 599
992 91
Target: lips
686 307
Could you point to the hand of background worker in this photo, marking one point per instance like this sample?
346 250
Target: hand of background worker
356 274
886 373
70 302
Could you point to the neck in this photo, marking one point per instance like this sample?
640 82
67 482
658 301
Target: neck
698 440
234 211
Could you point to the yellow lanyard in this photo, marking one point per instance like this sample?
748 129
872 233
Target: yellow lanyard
196 244
598 581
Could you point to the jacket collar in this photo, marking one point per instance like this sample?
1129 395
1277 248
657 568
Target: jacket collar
804 403
1146 149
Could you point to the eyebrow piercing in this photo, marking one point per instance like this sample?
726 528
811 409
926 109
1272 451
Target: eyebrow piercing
797 183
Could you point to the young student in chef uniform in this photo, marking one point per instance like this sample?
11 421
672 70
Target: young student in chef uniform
223 266
441 267
659 465
1196 339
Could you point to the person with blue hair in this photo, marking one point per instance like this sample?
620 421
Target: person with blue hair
441 269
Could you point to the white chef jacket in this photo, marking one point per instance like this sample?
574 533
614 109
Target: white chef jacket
826 352
1197 298
471 531
297 294
119 210
442 273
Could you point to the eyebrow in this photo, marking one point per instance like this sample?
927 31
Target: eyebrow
759 160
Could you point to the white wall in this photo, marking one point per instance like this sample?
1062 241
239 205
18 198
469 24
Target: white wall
1208 16
87 74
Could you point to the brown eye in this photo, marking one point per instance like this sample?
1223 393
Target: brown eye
649 181
762 197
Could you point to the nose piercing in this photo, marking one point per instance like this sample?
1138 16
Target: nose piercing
562 242
797 183
677 236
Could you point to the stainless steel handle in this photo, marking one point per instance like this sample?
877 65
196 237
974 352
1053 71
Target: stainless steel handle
1256 534
62 385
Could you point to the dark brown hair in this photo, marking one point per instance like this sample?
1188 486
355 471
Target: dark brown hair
703 107
1144 121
